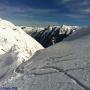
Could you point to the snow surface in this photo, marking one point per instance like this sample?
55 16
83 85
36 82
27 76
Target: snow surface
15 47
15 44
63 66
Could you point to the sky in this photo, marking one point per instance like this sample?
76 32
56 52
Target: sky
46 12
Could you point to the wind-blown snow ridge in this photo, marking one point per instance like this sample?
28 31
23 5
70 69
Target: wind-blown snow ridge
15 42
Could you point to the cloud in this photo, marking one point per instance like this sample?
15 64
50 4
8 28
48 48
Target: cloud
27 14
77 16
78 7
65 1
23 10
87 10
35 22
84 3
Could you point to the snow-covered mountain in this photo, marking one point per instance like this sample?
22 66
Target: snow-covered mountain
45 35
63 28
68 28
63 66
15 47
29 29
14 39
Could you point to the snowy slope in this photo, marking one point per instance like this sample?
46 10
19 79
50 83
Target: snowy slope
64 66
15 44
15 47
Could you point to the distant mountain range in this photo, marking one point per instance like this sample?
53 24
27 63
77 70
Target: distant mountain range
46 35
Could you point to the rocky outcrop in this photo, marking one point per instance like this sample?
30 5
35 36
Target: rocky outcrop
46 36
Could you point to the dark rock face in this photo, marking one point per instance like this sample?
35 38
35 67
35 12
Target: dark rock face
64 66
45 37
